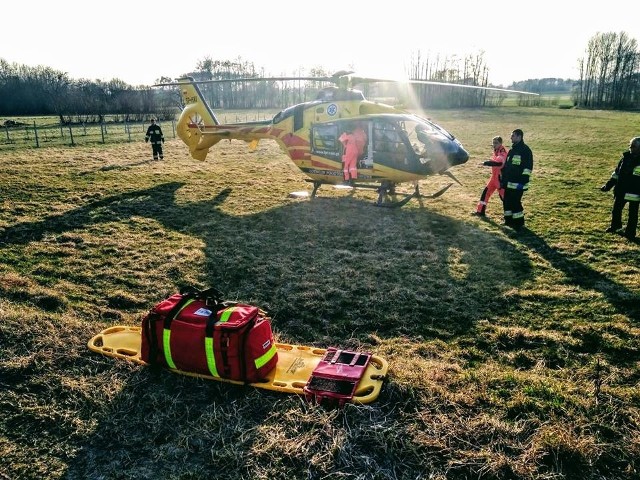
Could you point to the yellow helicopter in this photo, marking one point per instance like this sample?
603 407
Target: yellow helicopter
340 138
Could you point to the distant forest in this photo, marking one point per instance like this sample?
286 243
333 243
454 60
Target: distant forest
609 79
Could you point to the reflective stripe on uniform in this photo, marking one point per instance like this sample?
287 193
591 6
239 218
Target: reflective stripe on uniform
517 186
518 214
632 197
526 171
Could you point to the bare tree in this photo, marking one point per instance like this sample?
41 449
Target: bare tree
470 70
609 74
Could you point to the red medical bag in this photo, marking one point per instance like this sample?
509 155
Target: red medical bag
195 331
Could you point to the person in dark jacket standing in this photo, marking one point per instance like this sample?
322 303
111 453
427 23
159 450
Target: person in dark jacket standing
154 133
625 181
515 179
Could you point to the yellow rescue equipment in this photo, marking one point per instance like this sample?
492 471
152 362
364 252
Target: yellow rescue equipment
330 375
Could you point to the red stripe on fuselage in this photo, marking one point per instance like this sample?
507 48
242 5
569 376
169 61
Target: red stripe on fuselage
291 140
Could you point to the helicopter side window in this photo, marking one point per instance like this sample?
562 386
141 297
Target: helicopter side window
324 141
388 145
386 139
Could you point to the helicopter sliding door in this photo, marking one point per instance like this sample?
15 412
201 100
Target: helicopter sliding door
328 141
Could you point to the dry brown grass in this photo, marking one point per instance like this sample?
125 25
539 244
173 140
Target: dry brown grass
511 356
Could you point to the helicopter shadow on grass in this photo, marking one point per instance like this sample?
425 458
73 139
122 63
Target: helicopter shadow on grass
328 268
332 267
143 430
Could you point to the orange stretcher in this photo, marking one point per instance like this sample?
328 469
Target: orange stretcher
319 374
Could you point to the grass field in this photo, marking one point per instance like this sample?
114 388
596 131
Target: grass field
512 356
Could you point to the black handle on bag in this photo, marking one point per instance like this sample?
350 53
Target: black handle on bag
211 295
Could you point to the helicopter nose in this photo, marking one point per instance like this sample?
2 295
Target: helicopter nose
459 157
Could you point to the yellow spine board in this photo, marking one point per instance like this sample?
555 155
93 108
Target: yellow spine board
294 368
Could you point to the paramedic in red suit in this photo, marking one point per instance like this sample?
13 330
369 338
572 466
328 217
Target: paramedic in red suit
350 156
496 163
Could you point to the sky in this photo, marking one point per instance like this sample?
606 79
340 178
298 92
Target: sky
140 41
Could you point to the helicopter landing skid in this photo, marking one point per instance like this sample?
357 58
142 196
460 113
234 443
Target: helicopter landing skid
317 184
384 190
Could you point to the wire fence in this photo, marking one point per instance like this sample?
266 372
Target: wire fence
46 132
34 135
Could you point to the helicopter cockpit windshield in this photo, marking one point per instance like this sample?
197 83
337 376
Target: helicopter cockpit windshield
432 143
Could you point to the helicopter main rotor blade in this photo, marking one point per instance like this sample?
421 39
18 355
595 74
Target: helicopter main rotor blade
357 80
344 78
244 79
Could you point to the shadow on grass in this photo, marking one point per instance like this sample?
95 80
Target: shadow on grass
619 297
329 268
163 425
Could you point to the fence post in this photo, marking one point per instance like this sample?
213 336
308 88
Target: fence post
173 127
128 129
6 128
102 131
71 135
35 131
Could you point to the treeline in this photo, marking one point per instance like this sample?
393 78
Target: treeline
470 70
610 73
546 85
41 90
609 78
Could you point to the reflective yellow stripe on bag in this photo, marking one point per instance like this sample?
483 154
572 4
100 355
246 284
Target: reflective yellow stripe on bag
263 359
208 344
166 340
211 359
226 314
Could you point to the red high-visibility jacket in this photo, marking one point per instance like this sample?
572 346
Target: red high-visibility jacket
496 163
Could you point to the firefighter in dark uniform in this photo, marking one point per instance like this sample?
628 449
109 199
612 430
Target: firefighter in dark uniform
625 181
154 133
515 180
